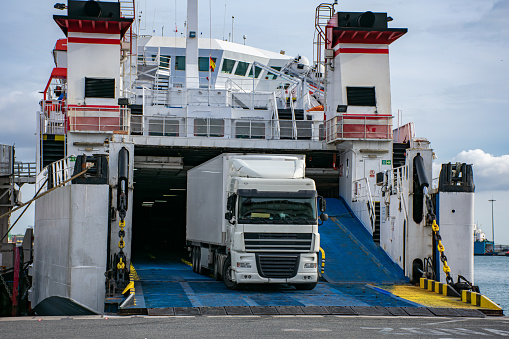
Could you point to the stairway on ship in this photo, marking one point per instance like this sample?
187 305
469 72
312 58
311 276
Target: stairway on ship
53 148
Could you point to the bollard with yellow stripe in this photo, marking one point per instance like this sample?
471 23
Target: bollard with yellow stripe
438 287
480 300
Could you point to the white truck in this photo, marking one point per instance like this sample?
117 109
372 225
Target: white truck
253 219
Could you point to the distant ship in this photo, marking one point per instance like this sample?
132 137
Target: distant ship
482 246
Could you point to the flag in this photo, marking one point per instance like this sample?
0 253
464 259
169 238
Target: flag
212 64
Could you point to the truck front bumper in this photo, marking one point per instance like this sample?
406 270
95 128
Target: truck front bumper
248 270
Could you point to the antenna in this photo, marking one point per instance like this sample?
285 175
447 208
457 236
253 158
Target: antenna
224 18
232 26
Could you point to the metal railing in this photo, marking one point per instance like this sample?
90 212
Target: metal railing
243 128
55 173
53 117
359 127
361 191
24 172
395 180
98 119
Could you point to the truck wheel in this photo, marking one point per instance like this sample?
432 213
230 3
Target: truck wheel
227 274
306 286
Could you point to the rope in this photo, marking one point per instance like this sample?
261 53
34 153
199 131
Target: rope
40 196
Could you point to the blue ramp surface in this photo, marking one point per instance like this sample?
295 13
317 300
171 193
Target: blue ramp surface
350 253
173 284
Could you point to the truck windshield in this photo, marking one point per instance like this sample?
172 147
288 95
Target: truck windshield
274 210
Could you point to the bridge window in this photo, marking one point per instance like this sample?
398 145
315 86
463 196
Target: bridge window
228 66
272 76
242 68
180 63
203 63
257 72
361 96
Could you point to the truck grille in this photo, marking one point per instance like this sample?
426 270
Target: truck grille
277 266
278 242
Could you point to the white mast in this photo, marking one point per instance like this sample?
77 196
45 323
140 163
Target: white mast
192 74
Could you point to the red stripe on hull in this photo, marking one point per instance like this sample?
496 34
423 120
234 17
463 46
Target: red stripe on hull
361 51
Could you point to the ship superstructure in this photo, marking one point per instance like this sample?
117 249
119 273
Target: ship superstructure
138 112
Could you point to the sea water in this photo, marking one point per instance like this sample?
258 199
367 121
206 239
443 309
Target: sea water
491 274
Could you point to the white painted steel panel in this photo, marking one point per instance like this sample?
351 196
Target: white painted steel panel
456 213
70 245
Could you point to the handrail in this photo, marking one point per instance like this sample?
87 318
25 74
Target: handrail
55 173
239 128
356 196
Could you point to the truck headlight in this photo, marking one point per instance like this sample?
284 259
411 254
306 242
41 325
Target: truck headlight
244 265
310 265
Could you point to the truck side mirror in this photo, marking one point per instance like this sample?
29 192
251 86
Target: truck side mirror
322 204
324 216
228 215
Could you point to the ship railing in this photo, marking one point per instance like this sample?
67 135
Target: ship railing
114 119
24 173
397 177
358 127
222 91
241 128
361 191
52 118
55 174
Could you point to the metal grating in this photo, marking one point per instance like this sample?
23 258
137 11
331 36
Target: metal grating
99 88
294 242
361 96
277 266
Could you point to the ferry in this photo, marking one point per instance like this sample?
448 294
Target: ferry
125 116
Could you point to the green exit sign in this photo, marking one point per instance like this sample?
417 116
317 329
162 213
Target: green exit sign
386 162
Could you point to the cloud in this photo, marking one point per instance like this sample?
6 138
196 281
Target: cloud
18 113
490 172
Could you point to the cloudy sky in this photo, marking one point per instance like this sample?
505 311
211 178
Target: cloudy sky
448 73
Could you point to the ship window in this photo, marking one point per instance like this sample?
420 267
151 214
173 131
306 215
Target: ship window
361 96
164 61
99 88
228 66
249 130
242 68
203 63
272 76
180 63
204 127
257 72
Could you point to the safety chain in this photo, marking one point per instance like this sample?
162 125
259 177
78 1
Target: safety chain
6 287
431 219
121 244
441 249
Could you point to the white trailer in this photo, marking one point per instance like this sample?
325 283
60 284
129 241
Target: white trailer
254 219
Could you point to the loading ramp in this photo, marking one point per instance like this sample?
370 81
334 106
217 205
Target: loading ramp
353 265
